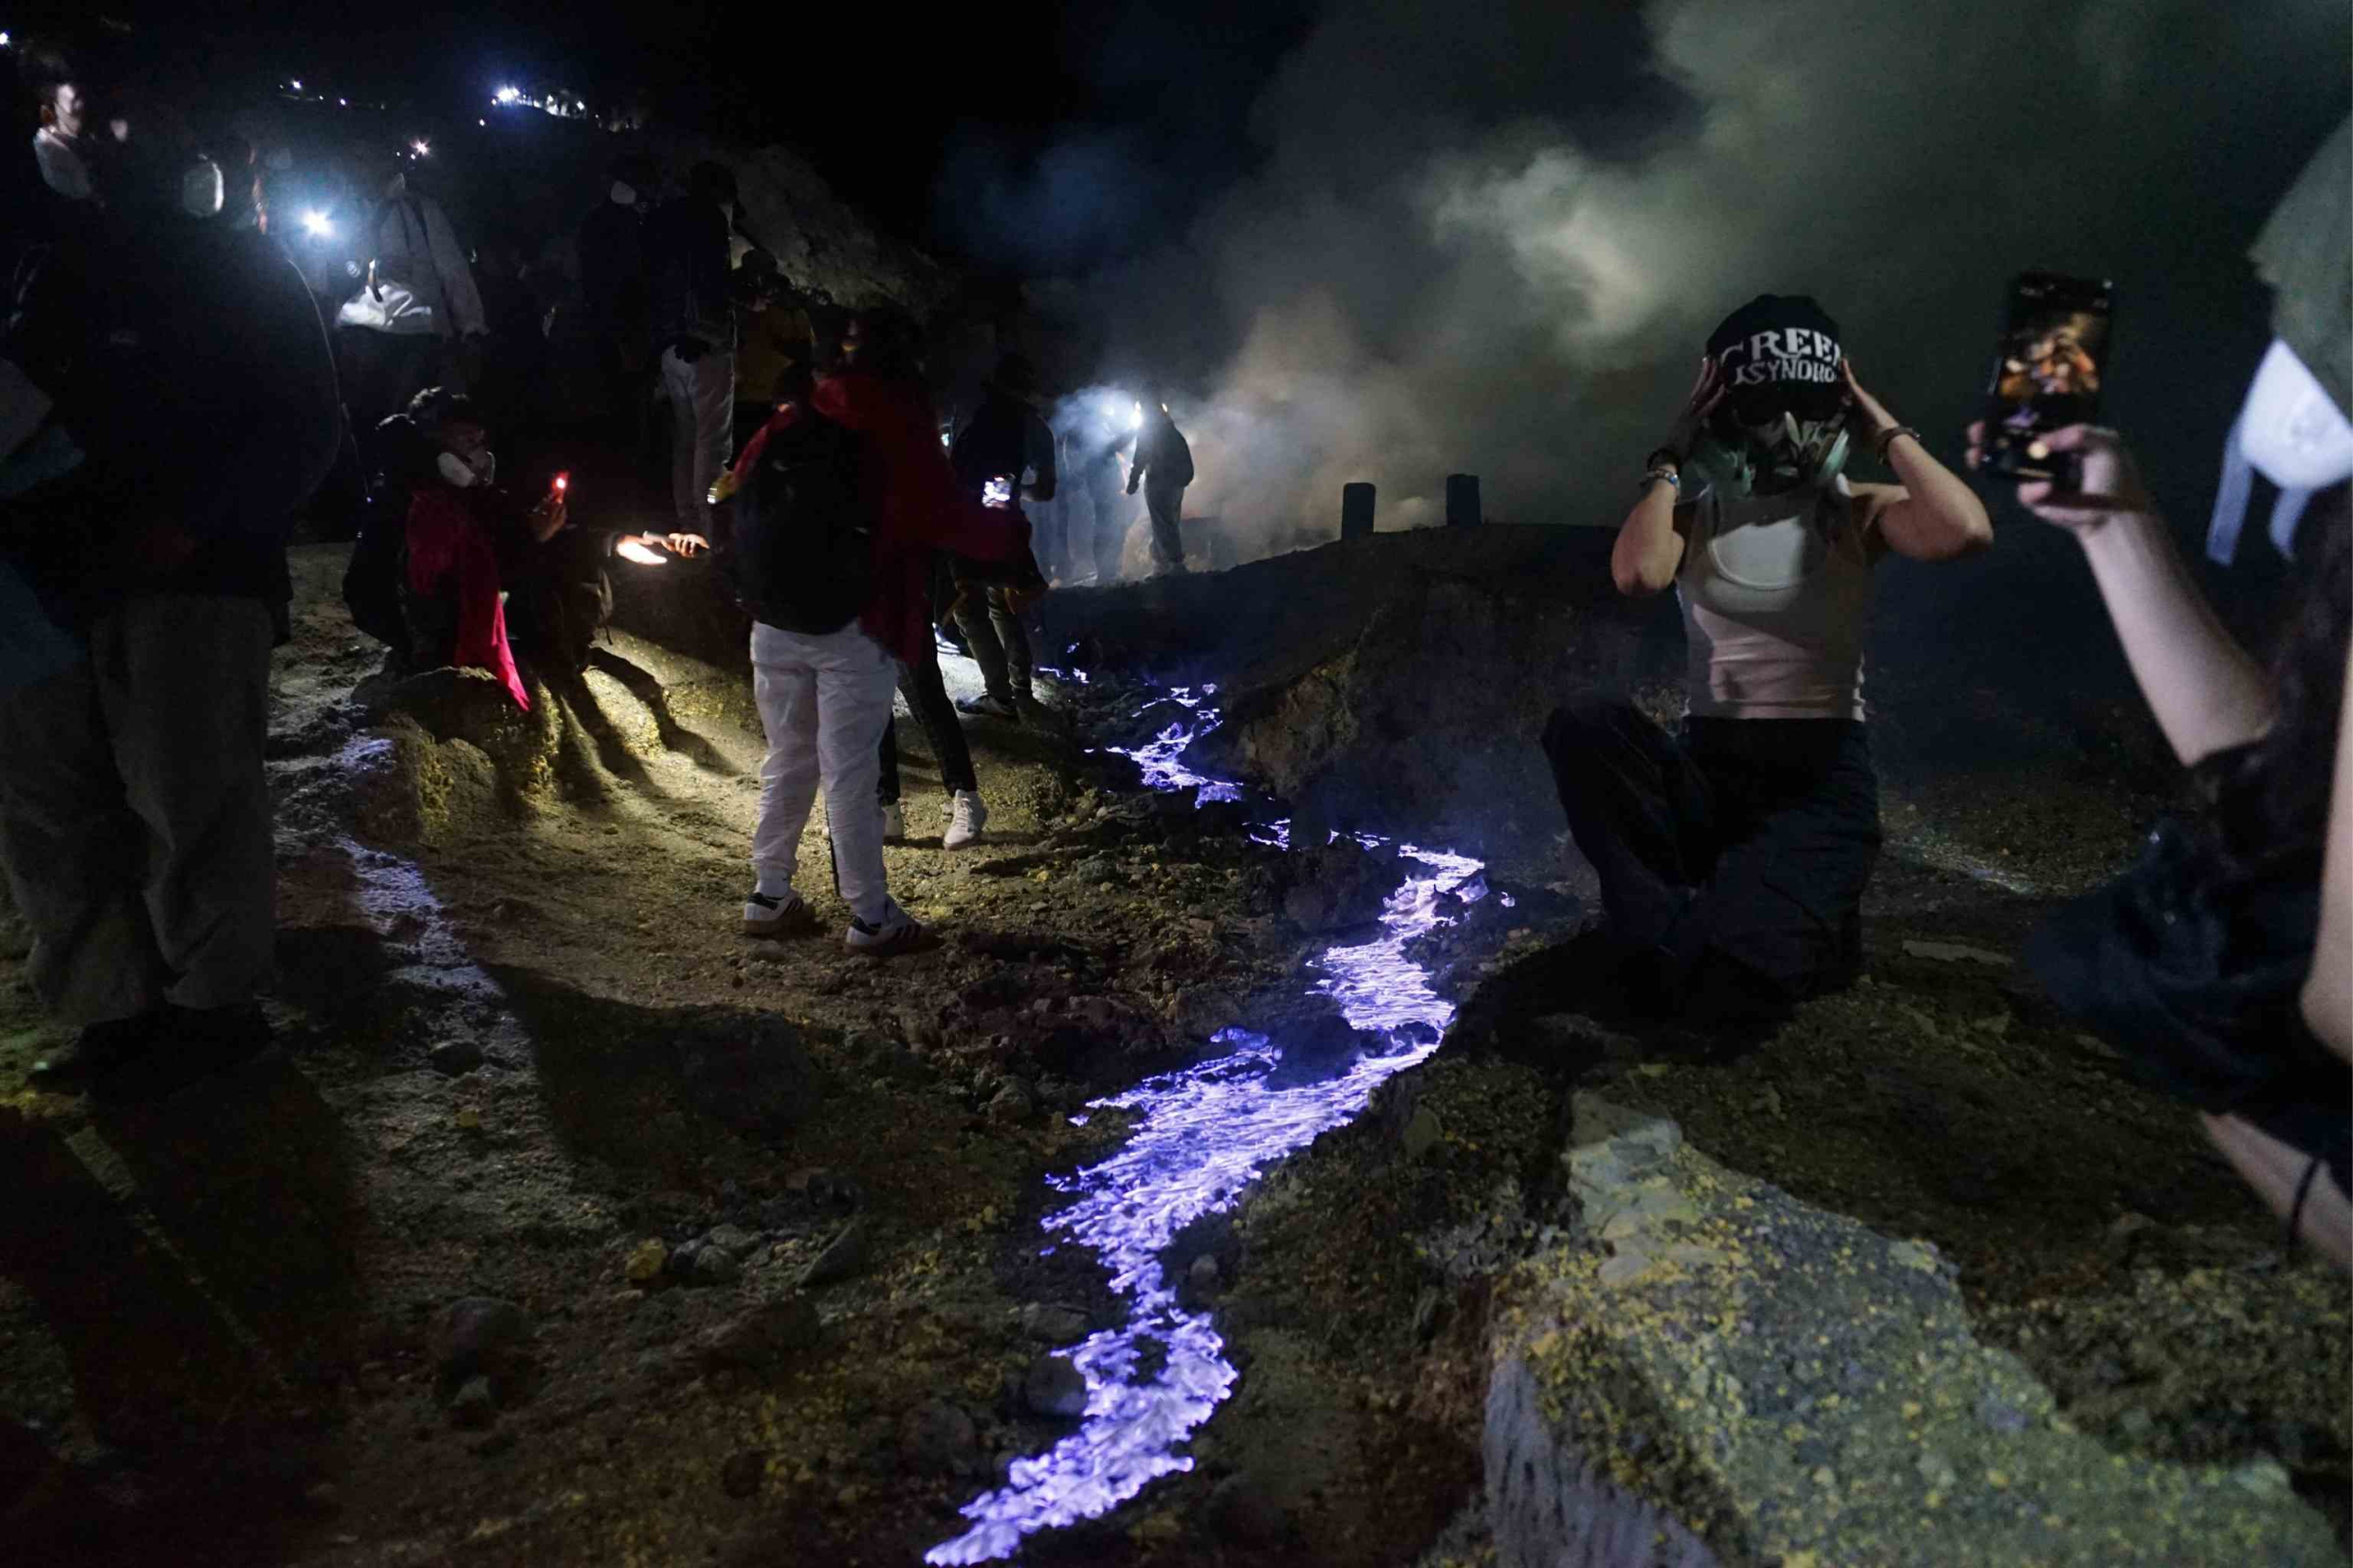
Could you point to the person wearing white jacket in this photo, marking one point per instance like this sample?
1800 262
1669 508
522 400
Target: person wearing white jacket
414 300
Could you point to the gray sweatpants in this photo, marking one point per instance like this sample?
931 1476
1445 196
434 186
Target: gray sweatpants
134 815
702 428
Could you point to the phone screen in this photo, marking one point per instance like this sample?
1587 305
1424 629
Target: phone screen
2050 367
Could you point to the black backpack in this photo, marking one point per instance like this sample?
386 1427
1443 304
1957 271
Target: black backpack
803 536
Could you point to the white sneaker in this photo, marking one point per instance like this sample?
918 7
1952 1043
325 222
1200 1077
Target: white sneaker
777 918
896 932
894 823
965 820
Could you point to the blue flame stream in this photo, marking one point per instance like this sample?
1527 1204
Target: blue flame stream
1203 1136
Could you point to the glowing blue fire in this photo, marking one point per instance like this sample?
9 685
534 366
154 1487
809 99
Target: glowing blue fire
1205 1134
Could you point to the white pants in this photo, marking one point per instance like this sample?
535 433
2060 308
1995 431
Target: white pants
823 702
702 428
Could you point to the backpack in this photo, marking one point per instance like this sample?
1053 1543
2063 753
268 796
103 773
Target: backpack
803 535
398 457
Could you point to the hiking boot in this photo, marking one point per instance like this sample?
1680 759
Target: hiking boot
96 1049
777 918
966 818
895 823
188 1044
895 932
988 704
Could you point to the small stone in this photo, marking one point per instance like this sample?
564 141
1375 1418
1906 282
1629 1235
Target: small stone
1054 1325
742 1475
938 1438
1998 1415
760 1336
1204 1272
733 1239
473 1407
1241 1510
646 1261
1422 1133
481 1335
1055 1387
1013 1104
452 1057
715 1266
325 1498
2137 1422
843 1256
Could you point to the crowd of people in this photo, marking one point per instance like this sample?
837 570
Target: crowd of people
179 384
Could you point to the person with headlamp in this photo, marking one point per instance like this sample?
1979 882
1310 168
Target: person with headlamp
1733 857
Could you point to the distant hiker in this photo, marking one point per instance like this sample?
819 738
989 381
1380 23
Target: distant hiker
614 295
688 250
1164 466
2221 965
414 316
774 344
1733 858
171 403
840 504
1005 441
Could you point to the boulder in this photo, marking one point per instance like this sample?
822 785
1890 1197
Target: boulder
1706 1370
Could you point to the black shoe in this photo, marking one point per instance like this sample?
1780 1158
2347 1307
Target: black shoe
189 1045
988 704
100 1048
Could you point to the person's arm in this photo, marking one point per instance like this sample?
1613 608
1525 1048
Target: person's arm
2328 990
1649 550
466 316
1934 515
2206 692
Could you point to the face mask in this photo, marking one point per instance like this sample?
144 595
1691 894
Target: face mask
2292 433
624 193
200 189
466 475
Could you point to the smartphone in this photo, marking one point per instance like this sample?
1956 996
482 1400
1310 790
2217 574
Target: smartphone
2048 369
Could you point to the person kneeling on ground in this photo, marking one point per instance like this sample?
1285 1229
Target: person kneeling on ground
1733 859
2221 964
1006 439
840 502
473 548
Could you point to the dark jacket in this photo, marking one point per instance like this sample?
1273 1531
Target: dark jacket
187 362
612 267
1163 461
686 260
1005 438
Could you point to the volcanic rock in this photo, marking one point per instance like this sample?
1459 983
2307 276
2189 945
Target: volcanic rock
1055 1387
1054 1325
938 1438
761 1336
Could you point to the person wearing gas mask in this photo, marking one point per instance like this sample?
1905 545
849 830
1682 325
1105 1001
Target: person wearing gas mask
148 508
1734 856
413 317
2221 964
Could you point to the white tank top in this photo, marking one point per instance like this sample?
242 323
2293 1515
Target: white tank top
1777 606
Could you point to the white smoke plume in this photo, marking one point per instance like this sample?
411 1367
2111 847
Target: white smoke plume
1444 267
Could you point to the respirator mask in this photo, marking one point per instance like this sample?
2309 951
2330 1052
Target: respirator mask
1752 451
464 474
2291 432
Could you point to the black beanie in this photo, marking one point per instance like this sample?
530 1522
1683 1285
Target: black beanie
1780 351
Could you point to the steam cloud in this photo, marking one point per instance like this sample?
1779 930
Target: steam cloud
1477 247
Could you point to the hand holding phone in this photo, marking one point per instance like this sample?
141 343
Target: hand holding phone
2049 370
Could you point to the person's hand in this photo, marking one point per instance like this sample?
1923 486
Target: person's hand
1706 393
2108 480
1132 487
685 544
1865 412
550 518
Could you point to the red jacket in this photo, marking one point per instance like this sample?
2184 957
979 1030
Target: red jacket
918 506
449 551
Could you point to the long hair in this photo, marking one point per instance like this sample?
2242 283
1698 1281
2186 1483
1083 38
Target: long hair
2270 802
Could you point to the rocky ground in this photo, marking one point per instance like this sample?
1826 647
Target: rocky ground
566 1226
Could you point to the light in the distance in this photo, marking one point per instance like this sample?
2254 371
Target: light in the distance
1135 417
298 86
421 147
508 94
318 225
638 552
